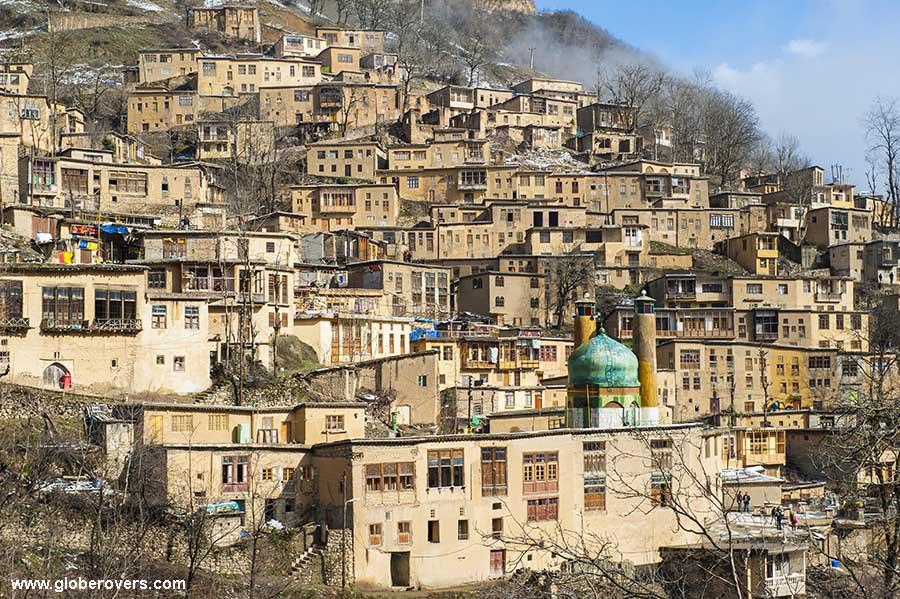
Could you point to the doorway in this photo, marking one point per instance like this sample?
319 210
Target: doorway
400 569
57 376
498 562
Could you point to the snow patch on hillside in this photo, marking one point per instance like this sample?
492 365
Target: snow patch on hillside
144 5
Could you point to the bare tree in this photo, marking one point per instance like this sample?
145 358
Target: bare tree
730 132
373 14
569 273
477 42
882 129
634 85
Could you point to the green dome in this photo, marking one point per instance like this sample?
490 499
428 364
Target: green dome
603 362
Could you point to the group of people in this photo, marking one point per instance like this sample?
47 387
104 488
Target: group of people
778 514
778 517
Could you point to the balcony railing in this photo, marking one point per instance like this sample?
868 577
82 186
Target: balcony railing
117 325
827 296
12 325
64 326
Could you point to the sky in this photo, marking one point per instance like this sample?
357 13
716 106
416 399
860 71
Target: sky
811 69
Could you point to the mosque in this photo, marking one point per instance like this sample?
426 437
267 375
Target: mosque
610 385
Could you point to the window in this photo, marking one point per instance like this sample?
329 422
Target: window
499 301
10 299
823 321
543 509
178 364
404 533
375 534
183 424
334 422
445 468
493 471
158 314
498 281
156 279
192 317
235 473
390 477
267 474
540 472
689 358
595 476
287 474
412 183
422 380
819 362
462 530
434 531
63 306
114 304
218 422
660 489
754 289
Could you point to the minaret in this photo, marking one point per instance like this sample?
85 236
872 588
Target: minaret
643 344
585 325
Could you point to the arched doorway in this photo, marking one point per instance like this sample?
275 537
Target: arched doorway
57 376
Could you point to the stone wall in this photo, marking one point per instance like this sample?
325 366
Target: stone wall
71 21
19 401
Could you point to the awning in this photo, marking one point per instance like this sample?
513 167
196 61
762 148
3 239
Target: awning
114 228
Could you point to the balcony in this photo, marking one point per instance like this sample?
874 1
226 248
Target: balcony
766 336
476 364
64 326
472 186
474 159
681 294
828 296
14 325
792 585
116 325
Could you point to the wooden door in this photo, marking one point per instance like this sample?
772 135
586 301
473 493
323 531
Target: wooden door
498 562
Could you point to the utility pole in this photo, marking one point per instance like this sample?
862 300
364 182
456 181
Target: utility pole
344 531
422 11
469 412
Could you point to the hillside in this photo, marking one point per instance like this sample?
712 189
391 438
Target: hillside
110 34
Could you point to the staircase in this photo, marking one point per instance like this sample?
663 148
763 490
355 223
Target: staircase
308 565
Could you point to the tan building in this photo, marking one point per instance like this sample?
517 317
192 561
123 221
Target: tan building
433 514
157 64
294 44
506 297
459 99
830 226
98 328
163 105
712 377
334 207
366 40
230 20
249 142
756 252
249 73
359 160
237 273
419 289
439 154
38 123
347 338
15 76
74 180
337 59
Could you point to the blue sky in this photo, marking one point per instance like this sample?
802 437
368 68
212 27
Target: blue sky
811 68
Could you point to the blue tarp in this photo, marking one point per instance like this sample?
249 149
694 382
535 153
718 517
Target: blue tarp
114 228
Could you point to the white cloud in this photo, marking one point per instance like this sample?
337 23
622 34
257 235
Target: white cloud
806 48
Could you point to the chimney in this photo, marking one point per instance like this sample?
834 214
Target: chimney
585 325
643 344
